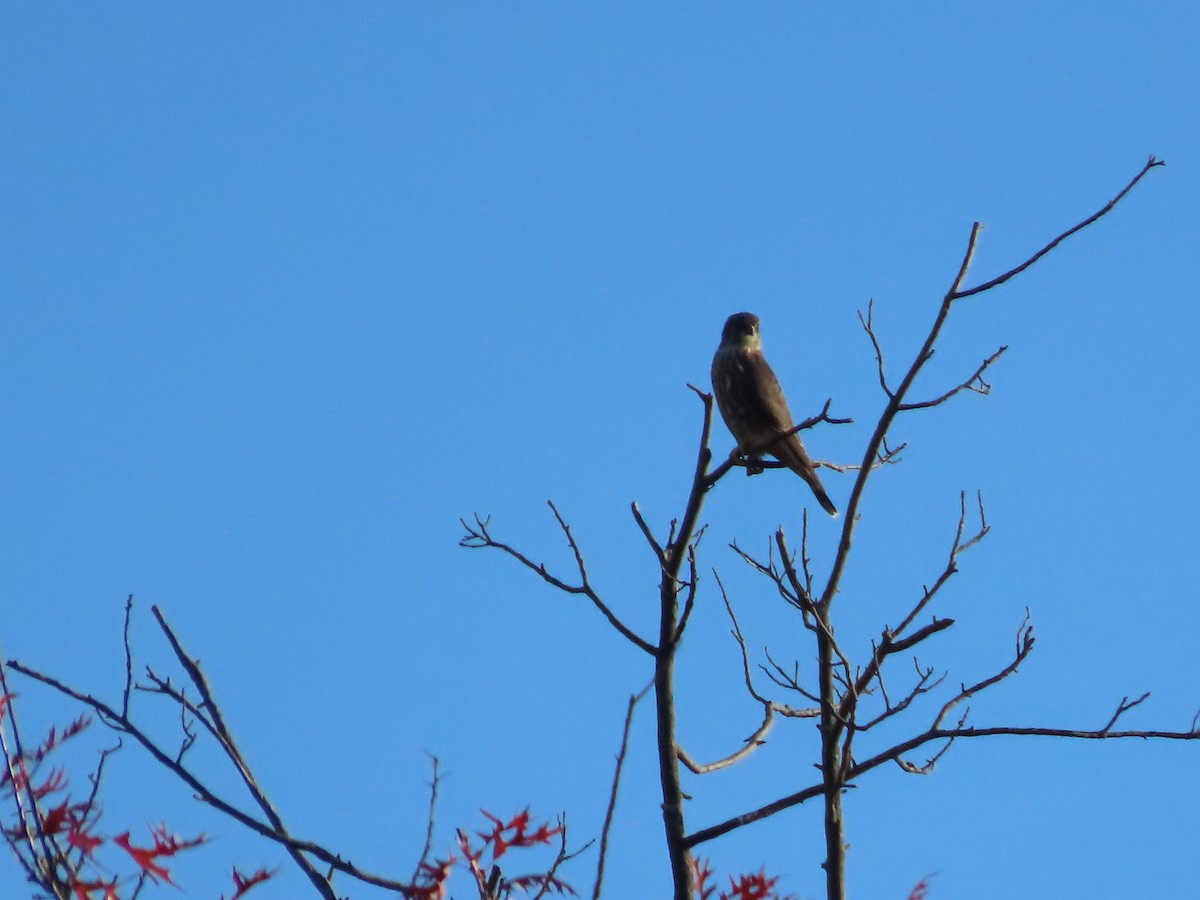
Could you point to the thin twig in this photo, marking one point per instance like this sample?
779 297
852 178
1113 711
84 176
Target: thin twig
900 393
478 536
114 719
427 848
868 325
1024 646
227 743
128 656
975 383
859 769
634 699
1153 162
645 529
42 845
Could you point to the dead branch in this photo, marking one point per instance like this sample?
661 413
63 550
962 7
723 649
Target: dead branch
128 656
427 848
951 569
616 785
548 880
975 384
1025 642
690 600
898 396
924 684
478 536
802 590
645 529
859 769
227 743
770 571
45 853
752 743
741 641
887 456
791 681
868 324
125 725
1151 163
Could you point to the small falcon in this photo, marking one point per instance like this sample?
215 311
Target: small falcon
752 403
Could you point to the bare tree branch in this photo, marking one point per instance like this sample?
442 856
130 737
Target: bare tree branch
477 537
887 456
898 397
229 745
975 383
859 769
125 725
548 880
951 569
924 684
616 786
791 681
752 743
128 656
1151 163
1025 642
434 784
690 600
45 853
645 529
868 324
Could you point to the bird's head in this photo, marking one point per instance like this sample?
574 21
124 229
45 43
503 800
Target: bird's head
741 330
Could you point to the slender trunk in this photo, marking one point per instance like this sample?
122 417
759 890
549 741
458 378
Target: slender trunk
831 764
672 559
668 761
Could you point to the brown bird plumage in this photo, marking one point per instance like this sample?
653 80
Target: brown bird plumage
752 402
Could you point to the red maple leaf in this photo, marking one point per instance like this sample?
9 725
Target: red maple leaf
56 781
921 890
78 837
165 845
436 874
550 884
83 889
243 883
500 840
702 869
56 819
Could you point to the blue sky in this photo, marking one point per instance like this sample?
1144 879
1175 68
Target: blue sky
289 288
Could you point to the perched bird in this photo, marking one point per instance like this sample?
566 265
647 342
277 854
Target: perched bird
752 402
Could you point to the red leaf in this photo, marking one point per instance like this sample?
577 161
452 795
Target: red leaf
501 841
83 889
56 819
56 782
243 883
78 838
550 883
53 739
702 870
164 845
921 890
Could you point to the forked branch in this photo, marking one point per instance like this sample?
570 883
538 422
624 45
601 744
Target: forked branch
478 536
898 397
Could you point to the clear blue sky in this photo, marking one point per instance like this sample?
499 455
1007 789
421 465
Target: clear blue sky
289 288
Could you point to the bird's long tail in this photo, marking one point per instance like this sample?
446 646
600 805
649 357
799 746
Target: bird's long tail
823 498
792 454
